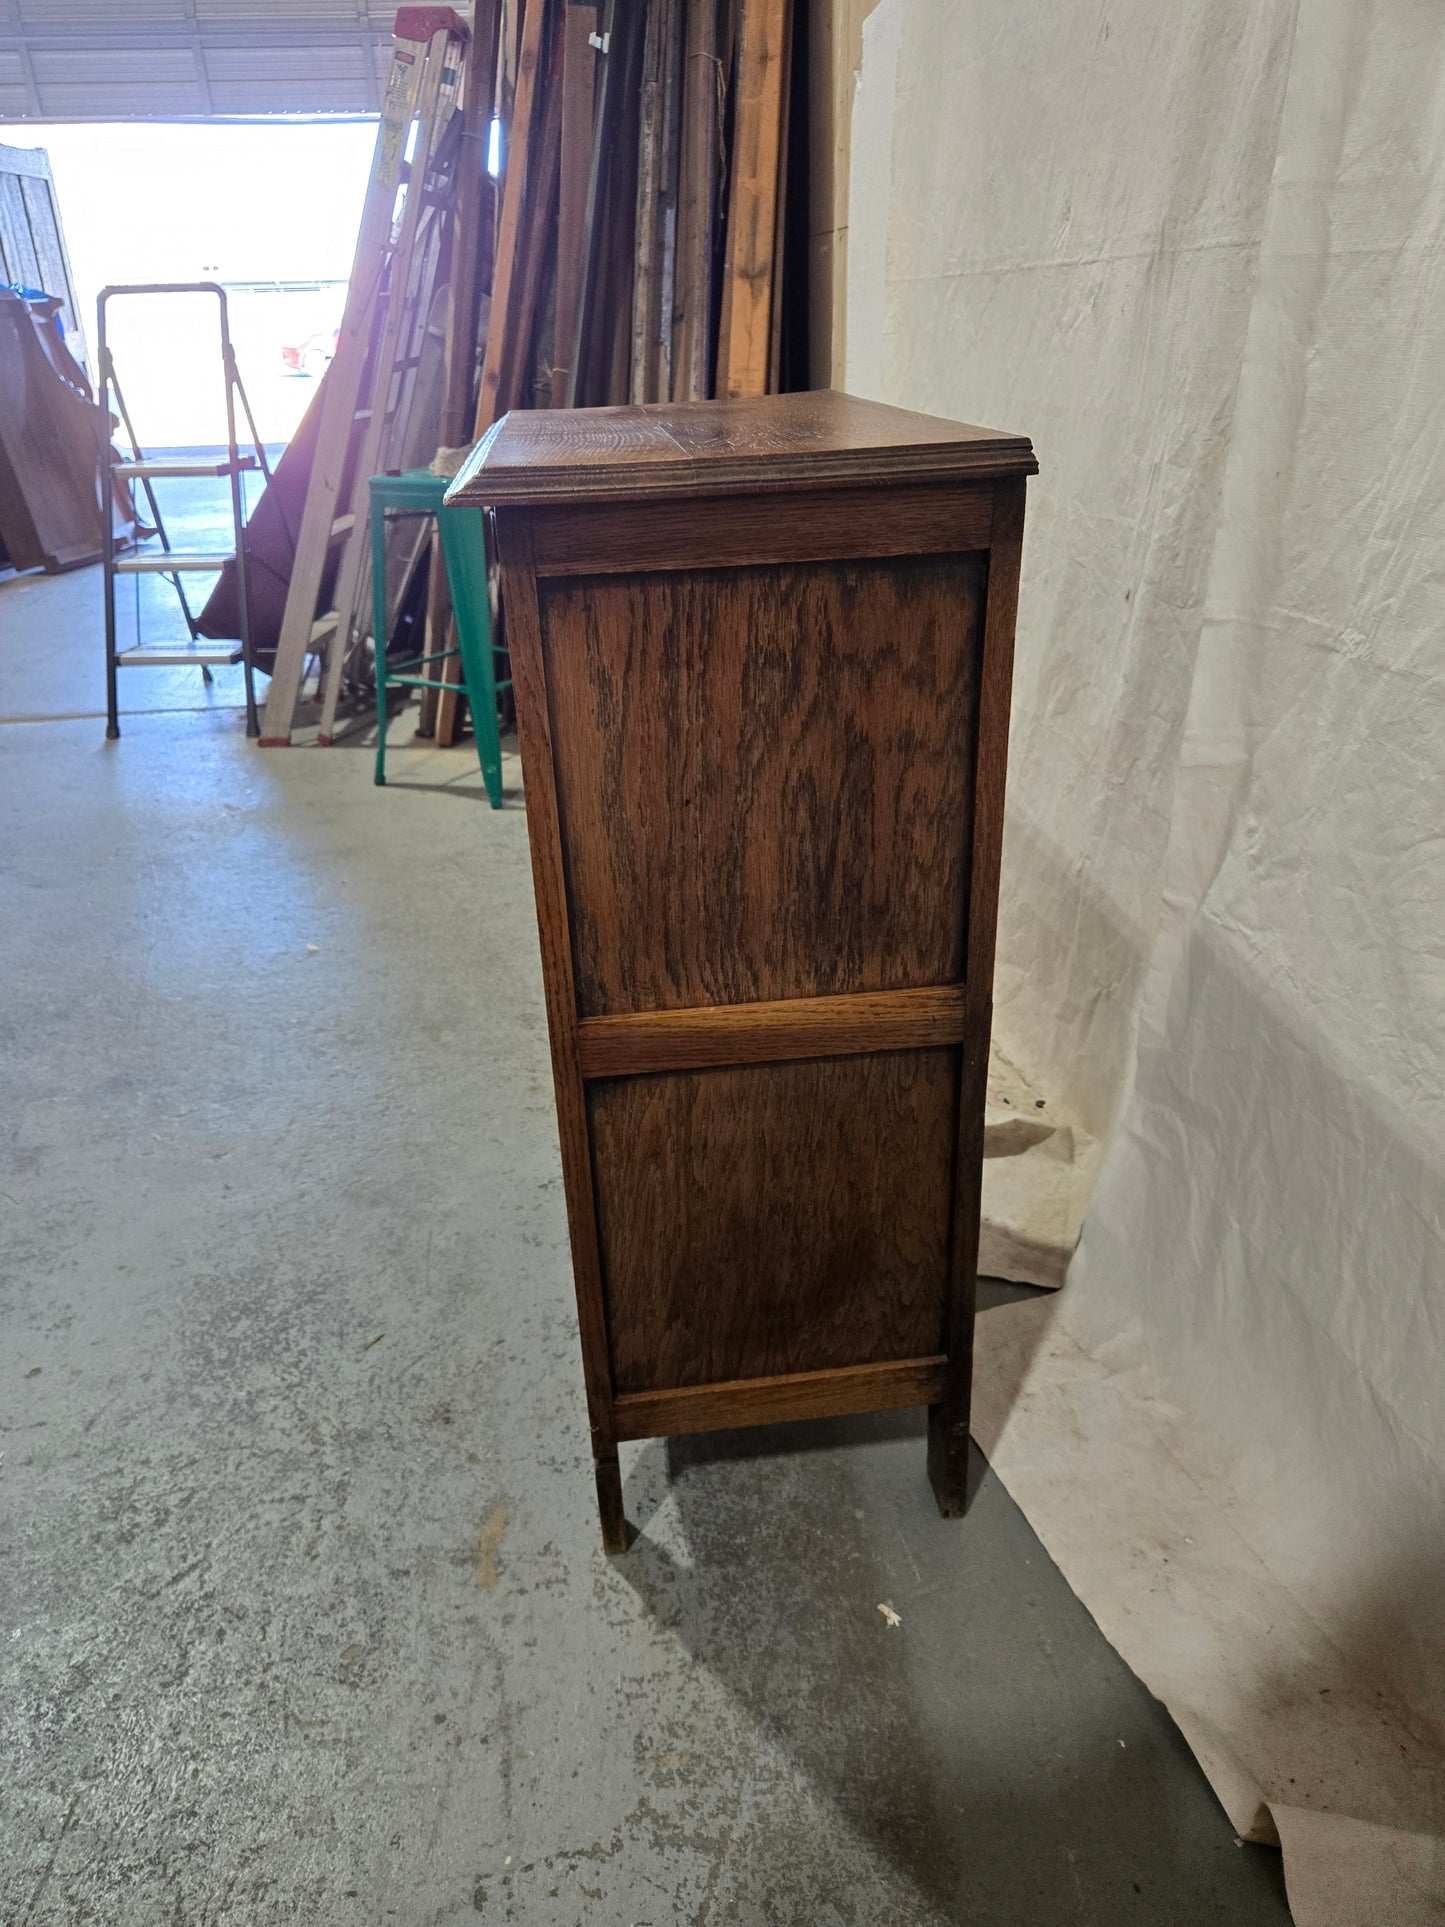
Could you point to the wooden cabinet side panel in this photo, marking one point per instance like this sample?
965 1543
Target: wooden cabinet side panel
775 1218
765 778
524 639
948 1436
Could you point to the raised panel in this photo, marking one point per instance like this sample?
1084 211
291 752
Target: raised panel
765 778
774 1218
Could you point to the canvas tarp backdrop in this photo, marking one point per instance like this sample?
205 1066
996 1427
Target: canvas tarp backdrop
1196 253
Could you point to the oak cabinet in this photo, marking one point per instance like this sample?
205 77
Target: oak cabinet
761 653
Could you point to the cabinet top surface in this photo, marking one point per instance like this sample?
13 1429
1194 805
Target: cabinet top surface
806 440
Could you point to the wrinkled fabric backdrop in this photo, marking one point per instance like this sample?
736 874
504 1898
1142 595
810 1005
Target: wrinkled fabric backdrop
1196 253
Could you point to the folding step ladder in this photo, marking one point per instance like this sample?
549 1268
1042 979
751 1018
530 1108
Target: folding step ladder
372 370
166 561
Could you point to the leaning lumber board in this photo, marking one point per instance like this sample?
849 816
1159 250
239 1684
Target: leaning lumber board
665 316
517 367
473 186
647 278
697 202
598 211
406 311
579 63
775 322
348 367
745 329
513 186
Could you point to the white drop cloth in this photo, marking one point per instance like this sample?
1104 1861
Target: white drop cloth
1198 253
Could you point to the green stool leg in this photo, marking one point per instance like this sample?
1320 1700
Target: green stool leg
464 549
378 622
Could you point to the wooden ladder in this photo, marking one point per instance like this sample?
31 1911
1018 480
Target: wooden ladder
372 371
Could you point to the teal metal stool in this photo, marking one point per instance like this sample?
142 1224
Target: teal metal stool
416 491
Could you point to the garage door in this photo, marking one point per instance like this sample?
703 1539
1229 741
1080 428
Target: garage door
126 59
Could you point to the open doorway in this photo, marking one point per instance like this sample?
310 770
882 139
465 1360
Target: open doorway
268 208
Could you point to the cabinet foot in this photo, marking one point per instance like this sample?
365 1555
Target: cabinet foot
948 1459
609 1504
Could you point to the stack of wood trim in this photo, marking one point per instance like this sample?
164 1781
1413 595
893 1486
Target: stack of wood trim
655 174
645 239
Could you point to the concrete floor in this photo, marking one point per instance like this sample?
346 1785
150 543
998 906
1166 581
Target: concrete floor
303 1614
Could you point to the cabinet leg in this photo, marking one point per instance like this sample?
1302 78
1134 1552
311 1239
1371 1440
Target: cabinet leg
609 1504
948 1457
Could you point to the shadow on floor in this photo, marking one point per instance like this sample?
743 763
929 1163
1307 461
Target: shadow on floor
988 1744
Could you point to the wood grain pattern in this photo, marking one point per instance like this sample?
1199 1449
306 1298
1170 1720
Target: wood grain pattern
677 1040
751 811
769 1401
813 440
605 538
774 1218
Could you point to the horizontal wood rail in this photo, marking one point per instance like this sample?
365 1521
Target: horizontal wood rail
602 538
767 1401
693 1039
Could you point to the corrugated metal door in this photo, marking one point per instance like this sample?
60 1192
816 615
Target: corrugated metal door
128 59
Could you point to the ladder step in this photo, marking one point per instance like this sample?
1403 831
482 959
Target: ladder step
159 563
144 658
323 625
183 465
343 525
362 415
